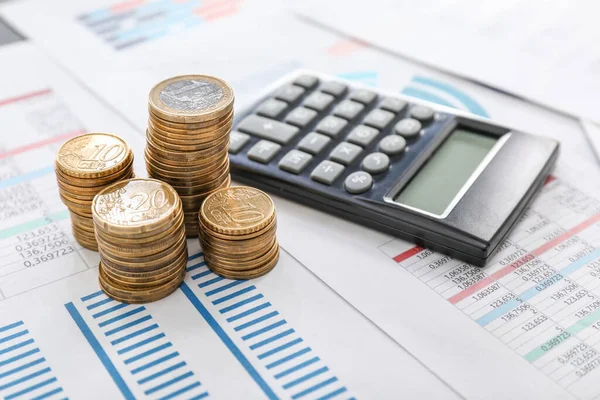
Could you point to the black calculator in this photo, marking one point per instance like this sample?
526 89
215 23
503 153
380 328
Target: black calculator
441 178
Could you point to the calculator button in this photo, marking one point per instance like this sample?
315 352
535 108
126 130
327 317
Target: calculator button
422 113
327 172
348 109
318 101
376 163
392 145
271 108
392 104
237 140
268 129
306 81
362 135
408 128
290 93
363 96
331 126
345 153
295 161
313 143
358 182
378 118
334 88
301 117
263 151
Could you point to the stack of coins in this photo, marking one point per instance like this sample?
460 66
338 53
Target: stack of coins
190 118
237 232
84 166
141 239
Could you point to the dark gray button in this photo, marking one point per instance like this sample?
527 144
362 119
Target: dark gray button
362 135
318 101
392 104
392 145
363 96
422 113
327 172
263 151
271 108
331 126
376 163
408 128
313 143
345 153
237 140
290 93
301 117
295 161
269 129
306 81
378 118
348 109
334 88
358 182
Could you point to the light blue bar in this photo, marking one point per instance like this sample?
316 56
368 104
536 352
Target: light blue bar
141 343
297 367
99 303
200 396
305 377
91 296
248 312
26 177
161 373
30 389
265 329
122 316
256 321
134 334
148 353
19 357
196 266
128 325
13 336
333 394
210 281
8 327
234 295
155 362
22 367
194 256
288 358
183 390
224 287
280 348
25 378
240 303
272 339
314 388
48 394
16 346
109 310
169 382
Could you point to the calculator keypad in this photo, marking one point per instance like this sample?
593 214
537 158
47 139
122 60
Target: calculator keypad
408 128
376 163
362 135
392 145
237 141
263 151
327 172
313 143
348 109
363 96
345 153
268 129
306 81
336 89
331 126
295 161
379 119
301 117
421 113
319 101
272 108
290 93
358 182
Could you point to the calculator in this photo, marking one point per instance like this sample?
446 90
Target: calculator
441 178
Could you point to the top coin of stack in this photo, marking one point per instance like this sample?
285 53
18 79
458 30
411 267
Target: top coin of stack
190 118
84 166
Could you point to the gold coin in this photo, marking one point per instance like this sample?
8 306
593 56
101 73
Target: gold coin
153 278
200 134
145 265
93 183
228 114
93 155
185 155
137 240
250 274
191 98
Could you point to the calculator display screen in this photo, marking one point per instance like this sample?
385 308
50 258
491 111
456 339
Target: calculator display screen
442 177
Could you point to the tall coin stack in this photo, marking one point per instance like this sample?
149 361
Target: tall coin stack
237 232
84 166
190 118
141 239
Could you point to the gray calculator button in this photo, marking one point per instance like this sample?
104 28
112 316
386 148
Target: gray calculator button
376 163
263 151
363 96
313 143
306 81
290 93
268 129
327 172
362 135
295 161
392 104
422 113
348 109
358 182
301 117
392 145
408 128
378 118
345 153
331 126
237 140
271 108
334 88
318 101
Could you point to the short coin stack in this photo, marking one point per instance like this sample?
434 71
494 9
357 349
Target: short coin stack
190 118
237 232
84 166
141 239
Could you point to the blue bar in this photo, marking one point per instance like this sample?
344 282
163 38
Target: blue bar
263 330
194 256
248 312
134 334
141 343
224 287
100 303
30 389
25 378
26 177
210 282
128 325
91 296
7 327
297 367
161 373
22 367
155 362
256 321
108 365
280 348
316 387
240 303
234 295
169 382
183 390
48 394
20 356
196 266
16 346
271 339
122 316
14 335
109 310
149 352
200 396
201 274
305 377
288 358
227 341
333 394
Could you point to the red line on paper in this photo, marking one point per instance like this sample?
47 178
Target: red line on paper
41 143
26 96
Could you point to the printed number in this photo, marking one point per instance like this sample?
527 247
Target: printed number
158 199
108 154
